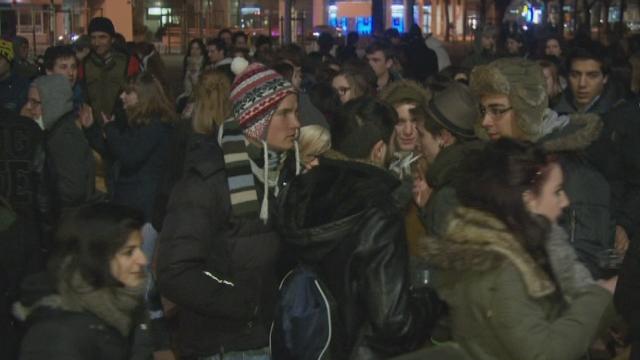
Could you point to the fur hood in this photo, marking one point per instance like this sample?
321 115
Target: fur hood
477 241
579 133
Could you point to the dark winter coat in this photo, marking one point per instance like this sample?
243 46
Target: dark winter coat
340 218
140 154
606 102
218 269
440 176
13 92
587 219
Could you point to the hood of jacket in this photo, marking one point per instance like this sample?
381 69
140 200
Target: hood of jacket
320 206
56 97
578 133
443 169
477 241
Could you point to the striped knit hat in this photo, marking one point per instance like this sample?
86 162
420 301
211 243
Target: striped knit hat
255 95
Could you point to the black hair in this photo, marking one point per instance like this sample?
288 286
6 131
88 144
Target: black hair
284 69
262 40
219 44
324 97
589 50
360 124
89 237
325 42
352 38
200 44
391 33
383 46
501 173
53 53
225 30
238 34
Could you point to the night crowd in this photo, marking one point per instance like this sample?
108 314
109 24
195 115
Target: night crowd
368 199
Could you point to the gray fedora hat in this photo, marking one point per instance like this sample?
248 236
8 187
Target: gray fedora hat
456 109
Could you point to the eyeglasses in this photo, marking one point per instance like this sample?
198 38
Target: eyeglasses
493 111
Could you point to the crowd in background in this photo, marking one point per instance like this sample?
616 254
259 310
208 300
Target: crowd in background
487 208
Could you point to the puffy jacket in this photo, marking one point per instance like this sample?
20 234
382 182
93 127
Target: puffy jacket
340 218
218 269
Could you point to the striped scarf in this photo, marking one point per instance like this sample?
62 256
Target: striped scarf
243 173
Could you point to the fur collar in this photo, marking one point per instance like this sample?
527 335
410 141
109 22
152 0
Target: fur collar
477 241
581 131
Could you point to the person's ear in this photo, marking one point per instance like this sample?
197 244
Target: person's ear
447 138
606 78
389 63
378 153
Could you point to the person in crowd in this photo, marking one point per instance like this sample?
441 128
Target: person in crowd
325 98
325 43
226 36
380 57
340 219
309 114
351 83
70 159
421 62
403 96
436 45
226 294
13 87
553 47
505 268
196 53
552 81
87 306
62 60
446 137
209 108
139 143
485 49
22 224
513 104
315 141
349 50
263 48
151 61
516 45
240 40
105 69
589 89
23 66
218 54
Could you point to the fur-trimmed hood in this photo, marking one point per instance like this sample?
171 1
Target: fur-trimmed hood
577 134
405 90
477 241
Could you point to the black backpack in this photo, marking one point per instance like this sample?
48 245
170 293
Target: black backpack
304 317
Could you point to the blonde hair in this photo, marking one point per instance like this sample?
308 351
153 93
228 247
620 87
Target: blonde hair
152 101
314 140
211 97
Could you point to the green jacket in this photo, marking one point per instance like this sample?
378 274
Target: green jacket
502 304
104 81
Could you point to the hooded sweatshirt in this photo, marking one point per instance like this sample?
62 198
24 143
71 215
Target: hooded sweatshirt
56 97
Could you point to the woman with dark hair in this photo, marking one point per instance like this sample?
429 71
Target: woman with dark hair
139 142
505 268
352 83
99 274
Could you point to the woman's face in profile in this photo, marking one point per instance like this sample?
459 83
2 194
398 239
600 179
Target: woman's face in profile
551 198
128 265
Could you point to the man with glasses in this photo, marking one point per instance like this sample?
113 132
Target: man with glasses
513 104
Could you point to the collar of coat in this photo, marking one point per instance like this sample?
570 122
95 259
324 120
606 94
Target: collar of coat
578 134
478 241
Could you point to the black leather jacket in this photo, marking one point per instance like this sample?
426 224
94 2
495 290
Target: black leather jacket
340 218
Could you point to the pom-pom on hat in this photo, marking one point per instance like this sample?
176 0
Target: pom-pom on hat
255 95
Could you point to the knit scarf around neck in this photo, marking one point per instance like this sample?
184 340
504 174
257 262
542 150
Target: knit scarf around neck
245 167
113 305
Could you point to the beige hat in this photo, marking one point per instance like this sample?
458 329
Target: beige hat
455 109
523 82
404 91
